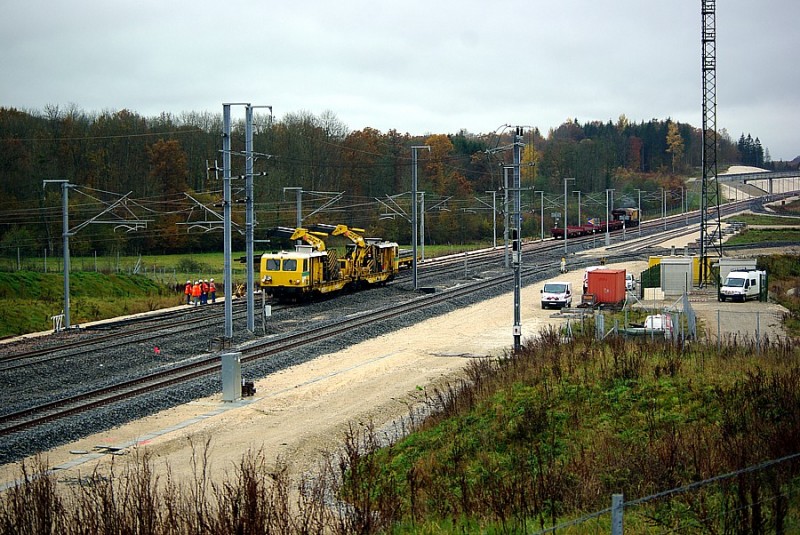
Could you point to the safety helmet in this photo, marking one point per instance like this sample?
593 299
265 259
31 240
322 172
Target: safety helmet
212 280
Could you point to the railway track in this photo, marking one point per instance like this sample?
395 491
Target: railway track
210 364
173 323
540 261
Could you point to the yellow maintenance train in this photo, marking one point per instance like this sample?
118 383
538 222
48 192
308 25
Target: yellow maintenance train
311 269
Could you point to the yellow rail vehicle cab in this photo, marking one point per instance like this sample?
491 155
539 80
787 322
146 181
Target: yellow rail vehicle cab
300 272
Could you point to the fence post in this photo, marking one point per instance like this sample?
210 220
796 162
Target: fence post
719 334
616 514
758 332
599 326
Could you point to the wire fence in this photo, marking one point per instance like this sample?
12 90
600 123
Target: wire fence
732 326
674 321
172 276
757 499
721 326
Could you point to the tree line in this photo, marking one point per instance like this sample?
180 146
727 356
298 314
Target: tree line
168 168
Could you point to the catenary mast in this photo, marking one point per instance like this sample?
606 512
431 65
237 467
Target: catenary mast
710 225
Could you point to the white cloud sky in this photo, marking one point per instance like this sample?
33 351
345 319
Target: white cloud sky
415 66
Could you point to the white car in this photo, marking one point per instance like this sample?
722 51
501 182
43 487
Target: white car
630 282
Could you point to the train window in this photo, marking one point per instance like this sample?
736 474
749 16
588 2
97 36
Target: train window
273 264
305 264
290 264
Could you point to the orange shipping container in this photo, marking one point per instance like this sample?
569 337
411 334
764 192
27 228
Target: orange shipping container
607 286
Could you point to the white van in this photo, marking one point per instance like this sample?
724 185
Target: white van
557 294
586 276
630 282
742 285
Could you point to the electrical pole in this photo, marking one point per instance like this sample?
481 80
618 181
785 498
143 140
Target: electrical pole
566 226
710 223
494 218
414 229
517 238
505 213
65 185
130 224
249 215
422 224
226 216
65 239
608 237
684 205
641 219
248 227
541 214
298 205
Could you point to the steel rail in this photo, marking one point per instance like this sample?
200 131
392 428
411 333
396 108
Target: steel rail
79 347
48 412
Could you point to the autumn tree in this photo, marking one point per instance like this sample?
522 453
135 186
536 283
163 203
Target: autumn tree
634 156
395 161
168 166
674 144
529 159
360 154
436 165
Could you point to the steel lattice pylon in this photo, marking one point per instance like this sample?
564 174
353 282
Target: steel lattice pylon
710 225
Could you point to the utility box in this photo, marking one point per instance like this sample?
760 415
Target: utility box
710 261
231 376
676 274
607 286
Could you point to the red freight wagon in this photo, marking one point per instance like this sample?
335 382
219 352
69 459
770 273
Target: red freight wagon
607 286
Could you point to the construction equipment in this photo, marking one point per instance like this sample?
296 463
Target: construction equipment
315 269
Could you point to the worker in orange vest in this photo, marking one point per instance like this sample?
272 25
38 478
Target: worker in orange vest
188 291
204 292
196 293
212 291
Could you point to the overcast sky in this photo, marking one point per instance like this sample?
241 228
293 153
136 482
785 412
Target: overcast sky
418 66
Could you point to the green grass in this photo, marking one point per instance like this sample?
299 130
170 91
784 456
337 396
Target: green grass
774 235
784 286
552 433
171 269
432 251
760 219
29 299
106 287
100 287
163 268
